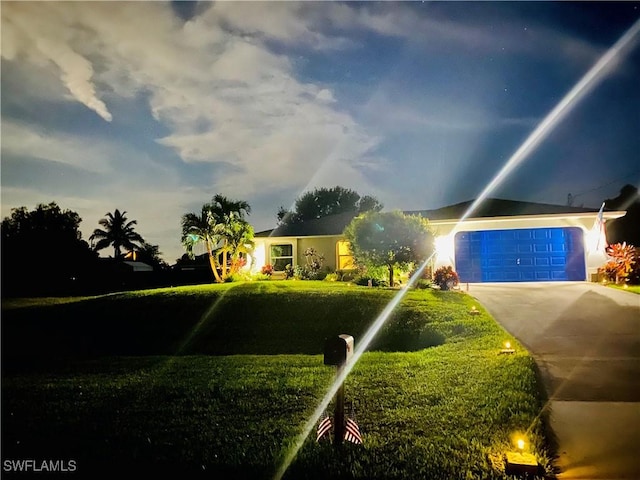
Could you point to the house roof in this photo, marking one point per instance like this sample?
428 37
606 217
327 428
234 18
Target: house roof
331 225
496 207
490 207
138 266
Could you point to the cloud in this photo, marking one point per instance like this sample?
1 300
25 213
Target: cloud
32 30
296 24
227 91
325 95
448 26
234 103
226 98
79 152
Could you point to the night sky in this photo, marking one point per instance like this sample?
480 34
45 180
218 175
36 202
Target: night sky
154 107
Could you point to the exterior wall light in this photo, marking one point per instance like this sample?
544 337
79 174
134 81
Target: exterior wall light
445 250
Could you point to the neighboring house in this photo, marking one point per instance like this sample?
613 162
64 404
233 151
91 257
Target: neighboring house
503 241
134 266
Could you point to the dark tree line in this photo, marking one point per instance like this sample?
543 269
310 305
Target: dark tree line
43 253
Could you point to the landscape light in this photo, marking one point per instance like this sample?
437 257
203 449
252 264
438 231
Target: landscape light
521 463
507 348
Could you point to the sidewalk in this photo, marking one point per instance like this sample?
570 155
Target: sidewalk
586 340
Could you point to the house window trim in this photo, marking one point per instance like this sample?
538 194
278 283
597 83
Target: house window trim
292 256
338 256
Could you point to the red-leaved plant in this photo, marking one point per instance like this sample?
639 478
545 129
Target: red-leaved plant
624 258
445 277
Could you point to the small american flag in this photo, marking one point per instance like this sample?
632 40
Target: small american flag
352 432
323 427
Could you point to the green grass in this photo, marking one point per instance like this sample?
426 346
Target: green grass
156 402
629 288
13 303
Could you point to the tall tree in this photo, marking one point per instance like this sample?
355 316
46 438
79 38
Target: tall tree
43 251
626 228
369 204
222 227
323 202
118 232
390 239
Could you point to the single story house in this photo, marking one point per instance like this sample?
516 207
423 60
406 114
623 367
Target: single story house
503 241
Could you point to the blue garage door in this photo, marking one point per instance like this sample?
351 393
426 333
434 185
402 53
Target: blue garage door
520 255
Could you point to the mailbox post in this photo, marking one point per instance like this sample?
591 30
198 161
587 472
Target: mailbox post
337 351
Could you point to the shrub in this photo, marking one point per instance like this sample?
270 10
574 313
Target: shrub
375 282
260 277
609 271
267 270
291 272
313 259
623 265
346 275
422 284
634 276
311 270
445 277
378 276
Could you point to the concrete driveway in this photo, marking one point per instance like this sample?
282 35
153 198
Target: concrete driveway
586 340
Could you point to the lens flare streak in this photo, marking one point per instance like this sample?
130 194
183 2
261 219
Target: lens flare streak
361 347
599 70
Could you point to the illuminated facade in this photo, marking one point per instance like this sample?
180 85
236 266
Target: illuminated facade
504 241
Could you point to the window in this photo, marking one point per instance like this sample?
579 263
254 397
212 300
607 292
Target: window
345 259
281 256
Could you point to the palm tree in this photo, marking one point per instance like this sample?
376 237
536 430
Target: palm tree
226 213
201 228
118 231
214 227
238 240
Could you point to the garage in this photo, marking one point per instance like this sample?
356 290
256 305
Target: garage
520 255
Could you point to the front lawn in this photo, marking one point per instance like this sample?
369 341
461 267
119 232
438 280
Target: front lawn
626 288
220 380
